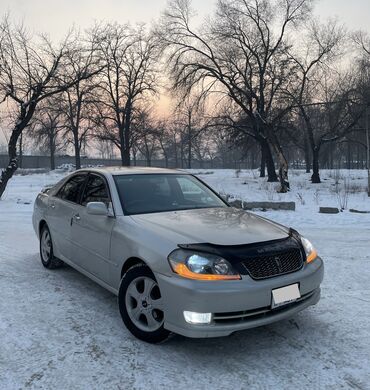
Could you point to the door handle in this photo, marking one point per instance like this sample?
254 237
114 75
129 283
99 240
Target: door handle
75 217
52 205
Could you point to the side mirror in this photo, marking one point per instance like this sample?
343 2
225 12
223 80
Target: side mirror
97 208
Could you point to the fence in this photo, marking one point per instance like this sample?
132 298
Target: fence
34 162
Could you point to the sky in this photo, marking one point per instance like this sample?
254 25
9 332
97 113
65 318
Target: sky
55 17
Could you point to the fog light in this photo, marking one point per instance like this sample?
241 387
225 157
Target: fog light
197 318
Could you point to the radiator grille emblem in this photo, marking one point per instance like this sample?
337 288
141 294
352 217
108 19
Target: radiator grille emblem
278 263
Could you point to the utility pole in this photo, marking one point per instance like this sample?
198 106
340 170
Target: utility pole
368 148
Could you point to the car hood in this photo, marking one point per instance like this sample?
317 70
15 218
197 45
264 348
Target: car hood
220 226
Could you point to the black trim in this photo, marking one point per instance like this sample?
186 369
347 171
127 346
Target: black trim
237 255
254 314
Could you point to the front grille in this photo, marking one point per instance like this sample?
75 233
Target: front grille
275 264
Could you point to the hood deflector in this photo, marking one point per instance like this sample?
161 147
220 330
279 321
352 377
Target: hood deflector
237 253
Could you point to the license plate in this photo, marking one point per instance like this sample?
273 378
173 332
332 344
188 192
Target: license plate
284 295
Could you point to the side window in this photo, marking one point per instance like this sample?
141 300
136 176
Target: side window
72 189
95 191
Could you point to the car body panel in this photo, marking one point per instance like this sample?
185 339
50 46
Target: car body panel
59 214
221 226
90 237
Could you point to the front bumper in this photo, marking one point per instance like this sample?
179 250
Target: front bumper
236 305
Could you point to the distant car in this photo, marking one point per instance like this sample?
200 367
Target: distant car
177 255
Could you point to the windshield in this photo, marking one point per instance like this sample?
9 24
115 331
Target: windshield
154 193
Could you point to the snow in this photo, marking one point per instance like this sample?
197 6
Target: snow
60 330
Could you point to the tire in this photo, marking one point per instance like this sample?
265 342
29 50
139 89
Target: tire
48 259
141 305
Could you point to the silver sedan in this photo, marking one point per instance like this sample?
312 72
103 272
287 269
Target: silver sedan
178 257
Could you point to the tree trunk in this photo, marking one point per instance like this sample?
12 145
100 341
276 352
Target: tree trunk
23 120
307 156
122 144
175 150
263 162
126 157
283 162
127 136
315 178
12 166
147 154
189 149
134 156
283 172
52 149
182 152
349 165
331 156
76 145
271 173
20 151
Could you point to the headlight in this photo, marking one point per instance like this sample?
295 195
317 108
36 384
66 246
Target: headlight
201 266
309 249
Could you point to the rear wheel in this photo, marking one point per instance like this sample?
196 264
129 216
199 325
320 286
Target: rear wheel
46 250
141 305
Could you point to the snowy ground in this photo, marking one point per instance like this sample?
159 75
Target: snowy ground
59 330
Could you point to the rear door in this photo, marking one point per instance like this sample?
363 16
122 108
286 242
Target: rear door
91 234
61 208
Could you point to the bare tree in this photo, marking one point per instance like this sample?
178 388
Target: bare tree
189 115
130 55
239 55
77 101
46 128
164 138
146 135
313 55
30 71
362 40
105 148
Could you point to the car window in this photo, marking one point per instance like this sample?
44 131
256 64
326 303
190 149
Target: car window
190 190
153 193
95 191
71 190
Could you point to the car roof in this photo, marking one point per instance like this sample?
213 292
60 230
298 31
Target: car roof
134 170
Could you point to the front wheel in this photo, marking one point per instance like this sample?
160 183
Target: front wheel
141 305
46 250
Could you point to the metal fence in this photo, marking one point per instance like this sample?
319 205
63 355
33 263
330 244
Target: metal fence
34 162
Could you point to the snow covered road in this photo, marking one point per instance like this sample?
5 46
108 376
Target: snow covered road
59 330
